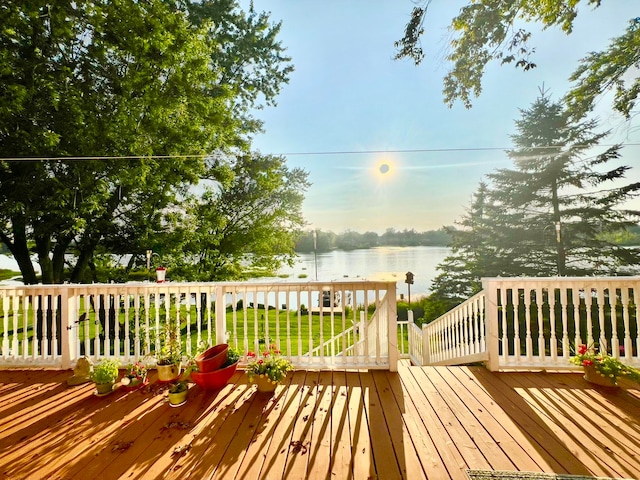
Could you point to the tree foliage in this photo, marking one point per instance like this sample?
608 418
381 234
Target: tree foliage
548 215
609 69
135 86
247 222
489 30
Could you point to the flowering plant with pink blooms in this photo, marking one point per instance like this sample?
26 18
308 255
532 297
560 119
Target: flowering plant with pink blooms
136 374
604 364
271 365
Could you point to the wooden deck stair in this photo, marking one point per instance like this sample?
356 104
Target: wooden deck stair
422 422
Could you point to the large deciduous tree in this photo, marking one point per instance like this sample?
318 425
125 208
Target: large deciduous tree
489 30
144 89
248 222
551 213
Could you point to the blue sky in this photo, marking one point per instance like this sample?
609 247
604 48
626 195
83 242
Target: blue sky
347 94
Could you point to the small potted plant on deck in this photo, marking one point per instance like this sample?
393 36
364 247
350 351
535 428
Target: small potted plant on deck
135 376
268 370
178 393
104 375
602 369
169 358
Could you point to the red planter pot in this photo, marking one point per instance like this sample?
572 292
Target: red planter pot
214 380
212 359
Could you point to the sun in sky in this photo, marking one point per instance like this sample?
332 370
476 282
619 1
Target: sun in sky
384 169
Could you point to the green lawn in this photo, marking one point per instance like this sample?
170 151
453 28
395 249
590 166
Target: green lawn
263 325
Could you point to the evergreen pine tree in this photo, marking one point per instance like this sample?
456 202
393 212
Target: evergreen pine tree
551 214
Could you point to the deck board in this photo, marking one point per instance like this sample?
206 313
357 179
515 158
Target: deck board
422 422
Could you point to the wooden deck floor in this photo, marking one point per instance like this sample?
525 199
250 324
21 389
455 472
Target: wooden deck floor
431 422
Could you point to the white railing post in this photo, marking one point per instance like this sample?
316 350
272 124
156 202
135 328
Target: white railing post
68 315
65 327
221 317
426 351
491 308
392 316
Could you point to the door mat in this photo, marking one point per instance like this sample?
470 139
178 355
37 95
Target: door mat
502 475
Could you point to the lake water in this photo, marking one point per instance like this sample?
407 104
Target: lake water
380 263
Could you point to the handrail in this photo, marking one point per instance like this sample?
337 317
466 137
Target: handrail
63 322
458 336
522 323
553 315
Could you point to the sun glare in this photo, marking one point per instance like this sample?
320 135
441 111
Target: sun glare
384 169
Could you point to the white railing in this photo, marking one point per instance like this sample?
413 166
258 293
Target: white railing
404 331
537 322
416 345
53 325
343 344
458 336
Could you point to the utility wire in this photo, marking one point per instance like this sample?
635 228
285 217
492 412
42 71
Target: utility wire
291 154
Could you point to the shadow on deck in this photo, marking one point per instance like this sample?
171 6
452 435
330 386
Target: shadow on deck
422 422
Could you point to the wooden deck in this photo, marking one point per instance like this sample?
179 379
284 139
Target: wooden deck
423 422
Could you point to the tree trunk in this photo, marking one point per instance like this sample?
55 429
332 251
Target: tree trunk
85 258
20 250
560 252
93 234
58 258
43 246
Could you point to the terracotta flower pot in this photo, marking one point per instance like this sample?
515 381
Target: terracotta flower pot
212 359
591 375
214 380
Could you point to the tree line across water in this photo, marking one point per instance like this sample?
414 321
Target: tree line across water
326 241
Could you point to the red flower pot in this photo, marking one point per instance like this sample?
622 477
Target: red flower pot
214 380
212 359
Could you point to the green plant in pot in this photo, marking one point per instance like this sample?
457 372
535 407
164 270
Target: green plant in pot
104 375
169 358
178 392
233 355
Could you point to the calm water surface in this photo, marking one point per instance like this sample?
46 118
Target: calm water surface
381 263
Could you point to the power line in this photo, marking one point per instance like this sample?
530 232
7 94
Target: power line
291 154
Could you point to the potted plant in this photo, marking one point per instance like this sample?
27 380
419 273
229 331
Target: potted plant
169 358
135 376
269 370
218 378
178 393
104 375
601 368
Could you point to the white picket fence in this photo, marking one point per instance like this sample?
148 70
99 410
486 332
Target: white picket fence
53 325
535 323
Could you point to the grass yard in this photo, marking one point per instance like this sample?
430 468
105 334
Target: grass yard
262 326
